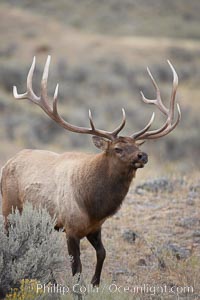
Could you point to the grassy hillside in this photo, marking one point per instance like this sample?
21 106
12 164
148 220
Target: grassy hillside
179 19
101 72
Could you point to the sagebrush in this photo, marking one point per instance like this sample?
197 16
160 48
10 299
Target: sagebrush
32 250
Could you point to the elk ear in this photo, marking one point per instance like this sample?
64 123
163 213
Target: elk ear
100 143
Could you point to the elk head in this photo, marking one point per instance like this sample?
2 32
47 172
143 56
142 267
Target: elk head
124 150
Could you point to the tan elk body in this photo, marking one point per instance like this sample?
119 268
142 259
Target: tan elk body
82 190
66 185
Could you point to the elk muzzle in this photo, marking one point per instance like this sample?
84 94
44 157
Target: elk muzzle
141 160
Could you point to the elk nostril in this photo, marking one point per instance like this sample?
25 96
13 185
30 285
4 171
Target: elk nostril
140 155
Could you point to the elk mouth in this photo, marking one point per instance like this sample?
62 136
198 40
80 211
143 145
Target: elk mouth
138 165
140 162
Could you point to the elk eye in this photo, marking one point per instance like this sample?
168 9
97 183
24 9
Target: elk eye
118 150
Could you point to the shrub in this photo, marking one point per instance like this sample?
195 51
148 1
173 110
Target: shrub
33 249
27 291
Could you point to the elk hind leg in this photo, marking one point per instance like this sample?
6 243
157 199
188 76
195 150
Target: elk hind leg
10 199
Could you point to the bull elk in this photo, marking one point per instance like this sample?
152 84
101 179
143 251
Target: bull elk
82 190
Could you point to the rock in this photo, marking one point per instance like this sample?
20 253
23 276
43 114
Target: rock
194 193
141 262
196 233
139 190
196 236
178 251
190 201
189 222
129 235
195 189
118 272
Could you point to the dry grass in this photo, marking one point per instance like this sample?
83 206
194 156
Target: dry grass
159 220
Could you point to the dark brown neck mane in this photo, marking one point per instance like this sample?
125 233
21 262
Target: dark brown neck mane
106 189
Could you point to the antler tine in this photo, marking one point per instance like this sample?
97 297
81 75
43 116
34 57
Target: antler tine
43 102
121 126
55 100
30 76
162 133
138 133
158 100
111 135
151 101
29 94
44 81
167 126
174 90
91 120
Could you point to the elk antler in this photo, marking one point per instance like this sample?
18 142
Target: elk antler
52 112
168 126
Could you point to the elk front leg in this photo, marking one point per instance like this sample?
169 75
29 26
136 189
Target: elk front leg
73 245
96 242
